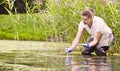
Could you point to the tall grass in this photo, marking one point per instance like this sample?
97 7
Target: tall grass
2 1
59 20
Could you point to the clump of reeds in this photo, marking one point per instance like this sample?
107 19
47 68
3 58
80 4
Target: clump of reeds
59 20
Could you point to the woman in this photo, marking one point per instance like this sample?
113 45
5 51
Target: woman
101 34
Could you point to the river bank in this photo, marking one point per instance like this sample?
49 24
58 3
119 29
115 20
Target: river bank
30 45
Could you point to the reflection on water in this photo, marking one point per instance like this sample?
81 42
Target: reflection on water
55 61
88 64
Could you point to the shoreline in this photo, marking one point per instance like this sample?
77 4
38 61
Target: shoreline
30 45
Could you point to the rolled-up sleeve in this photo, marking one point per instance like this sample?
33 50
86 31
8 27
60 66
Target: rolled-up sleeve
81 26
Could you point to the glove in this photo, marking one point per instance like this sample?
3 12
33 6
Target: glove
68 50
85 45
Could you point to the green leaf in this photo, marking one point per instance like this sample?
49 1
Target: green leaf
2 1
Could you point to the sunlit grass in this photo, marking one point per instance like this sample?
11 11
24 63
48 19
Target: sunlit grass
58 22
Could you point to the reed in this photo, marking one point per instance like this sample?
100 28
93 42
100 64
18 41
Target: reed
58 21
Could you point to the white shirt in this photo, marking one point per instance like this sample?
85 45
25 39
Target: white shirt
98 25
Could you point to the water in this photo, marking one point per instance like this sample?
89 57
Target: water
52 60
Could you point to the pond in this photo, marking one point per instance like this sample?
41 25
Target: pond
34 60
54 59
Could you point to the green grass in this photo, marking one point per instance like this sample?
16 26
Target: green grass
58 22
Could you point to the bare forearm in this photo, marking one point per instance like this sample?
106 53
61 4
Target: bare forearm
93 43
77 38
96 38
75 43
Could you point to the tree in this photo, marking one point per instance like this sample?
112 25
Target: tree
22 6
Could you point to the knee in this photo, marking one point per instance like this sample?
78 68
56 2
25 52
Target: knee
100 52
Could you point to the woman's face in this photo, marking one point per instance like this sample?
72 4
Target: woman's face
87 20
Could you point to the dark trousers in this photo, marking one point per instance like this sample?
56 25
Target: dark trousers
100 51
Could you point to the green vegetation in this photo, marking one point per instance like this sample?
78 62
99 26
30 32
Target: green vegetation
2 1
9 57
58 21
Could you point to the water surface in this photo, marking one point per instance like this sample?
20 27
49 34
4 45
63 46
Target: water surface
52 60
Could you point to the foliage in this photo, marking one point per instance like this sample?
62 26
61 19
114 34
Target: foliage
58 21
2 1
19 6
